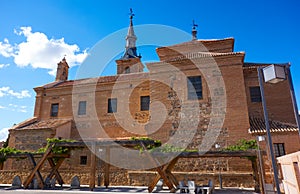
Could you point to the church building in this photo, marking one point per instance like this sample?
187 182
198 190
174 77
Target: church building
200 94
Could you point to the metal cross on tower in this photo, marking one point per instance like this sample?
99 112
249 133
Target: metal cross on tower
131 14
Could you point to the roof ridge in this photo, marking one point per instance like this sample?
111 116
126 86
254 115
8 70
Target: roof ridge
192 55
25 123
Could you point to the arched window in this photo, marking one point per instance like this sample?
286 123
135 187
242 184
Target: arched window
127 70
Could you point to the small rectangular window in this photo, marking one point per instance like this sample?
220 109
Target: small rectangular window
54 110
194 86
255 94
83 160
82 108
112 105
279 149
145 103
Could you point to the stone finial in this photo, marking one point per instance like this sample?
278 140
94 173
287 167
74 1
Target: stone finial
75 182
16 183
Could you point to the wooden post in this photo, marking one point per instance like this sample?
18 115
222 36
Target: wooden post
255 168
168 170
36 169
93 167
159 169
106 167
54 170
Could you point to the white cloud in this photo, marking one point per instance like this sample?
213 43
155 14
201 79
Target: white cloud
17 108
3 134
6 91
6 49
3 91
40 52
2 107
22 94
3 65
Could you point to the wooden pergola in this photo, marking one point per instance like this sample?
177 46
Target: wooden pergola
164 170
50 157
47 156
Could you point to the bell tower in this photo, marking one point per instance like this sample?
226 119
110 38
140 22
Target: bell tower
62 70
130 62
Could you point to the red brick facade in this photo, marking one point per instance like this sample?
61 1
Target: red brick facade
225 92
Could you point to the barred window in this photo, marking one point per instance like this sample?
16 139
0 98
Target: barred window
54 110
112 105
82 108
279 149
255 94
83 160
194 86
145 103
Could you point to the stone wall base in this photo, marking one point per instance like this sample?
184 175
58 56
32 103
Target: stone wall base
143 178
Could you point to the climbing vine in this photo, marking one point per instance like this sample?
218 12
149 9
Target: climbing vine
55 149
244 145
7 151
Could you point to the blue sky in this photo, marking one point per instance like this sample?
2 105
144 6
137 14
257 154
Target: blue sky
35 35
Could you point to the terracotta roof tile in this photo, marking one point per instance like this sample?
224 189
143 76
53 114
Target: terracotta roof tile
45 124
25 123
257 125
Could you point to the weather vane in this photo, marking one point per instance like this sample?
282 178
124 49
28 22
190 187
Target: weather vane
194 25
194 31
131 13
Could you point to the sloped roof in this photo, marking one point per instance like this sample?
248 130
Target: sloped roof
25 123
45 124
102 79
257 125
249 65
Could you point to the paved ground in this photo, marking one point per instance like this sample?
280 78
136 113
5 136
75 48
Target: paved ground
112 190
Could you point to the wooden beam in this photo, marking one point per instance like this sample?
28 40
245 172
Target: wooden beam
37 167
37 173
54 169
37 155
167 168
93 167
169 172
159 169
106 167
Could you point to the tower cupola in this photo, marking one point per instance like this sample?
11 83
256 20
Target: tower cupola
62 70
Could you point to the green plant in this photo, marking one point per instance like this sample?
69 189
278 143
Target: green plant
55 149
6 151
156 144
166 148
243 145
